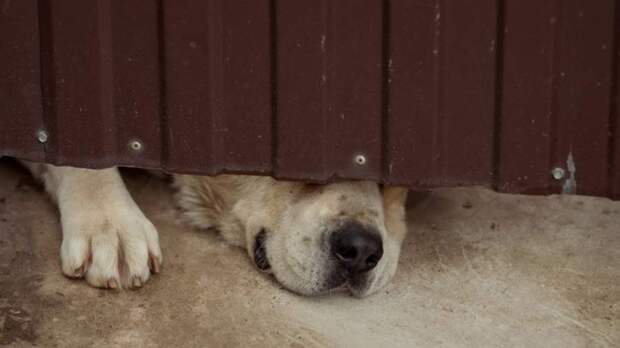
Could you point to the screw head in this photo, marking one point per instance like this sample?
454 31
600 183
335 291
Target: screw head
136 145
558 173
360 160
42 136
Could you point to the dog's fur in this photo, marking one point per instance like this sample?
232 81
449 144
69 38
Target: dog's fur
109 242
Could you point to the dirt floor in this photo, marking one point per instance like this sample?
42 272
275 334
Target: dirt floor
479 269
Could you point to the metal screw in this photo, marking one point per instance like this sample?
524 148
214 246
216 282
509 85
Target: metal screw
558 173
360 160
135 145
42 136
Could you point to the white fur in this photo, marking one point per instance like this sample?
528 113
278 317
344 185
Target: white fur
106 237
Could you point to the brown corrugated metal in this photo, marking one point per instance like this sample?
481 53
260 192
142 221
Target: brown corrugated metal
100 71
329 81
614 119
431 92
442 92
583 77
20 89
557 74
218 85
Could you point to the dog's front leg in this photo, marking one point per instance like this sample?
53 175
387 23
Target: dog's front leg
106 238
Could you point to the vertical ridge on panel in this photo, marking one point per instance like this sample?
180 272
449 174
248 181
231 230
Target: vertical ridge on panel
20 83
614 117
354 84
467 111
242 128
442 93
301 94
583 74
192 47
412 149
273 95
136 82
81 129
527 94
329 89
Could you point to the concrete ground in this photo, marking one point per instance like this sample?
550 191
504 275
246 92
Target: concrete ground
479 269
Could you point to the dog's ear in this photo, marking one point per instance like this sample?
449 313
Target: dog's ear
199 201
394 199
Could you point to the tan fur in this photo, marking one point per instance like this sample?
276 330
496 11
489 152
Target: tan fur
394 199
241 206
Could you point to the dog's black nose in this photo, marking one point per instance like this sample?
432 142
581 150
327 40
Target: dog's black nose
356 247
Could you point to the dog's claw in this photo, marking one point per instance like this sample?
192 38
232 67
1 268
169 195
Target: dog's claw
136 283
79 272
154 264
112 284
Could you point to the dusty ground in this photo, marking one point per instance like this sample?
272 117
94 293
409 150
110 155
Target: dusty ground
478 269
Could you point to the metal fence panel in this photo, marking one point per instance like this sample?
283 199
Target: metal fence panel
424 93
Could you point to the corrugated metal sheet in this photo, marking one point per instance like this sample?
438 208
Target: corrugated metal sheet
431 92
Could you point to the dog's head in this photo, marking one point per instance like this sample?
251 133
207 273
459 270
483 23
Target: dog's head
313 238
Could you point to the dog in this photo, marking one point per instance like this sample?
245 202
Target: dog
313 238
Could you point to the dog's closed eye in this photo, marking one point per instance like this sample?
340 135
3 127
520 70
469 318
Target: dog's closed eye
260 254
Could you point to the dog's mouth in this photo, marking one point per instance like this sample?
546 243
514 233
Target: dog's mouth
260 254
339 280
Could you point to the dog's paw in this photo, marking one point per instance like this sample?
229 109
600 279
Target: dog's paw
113 248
